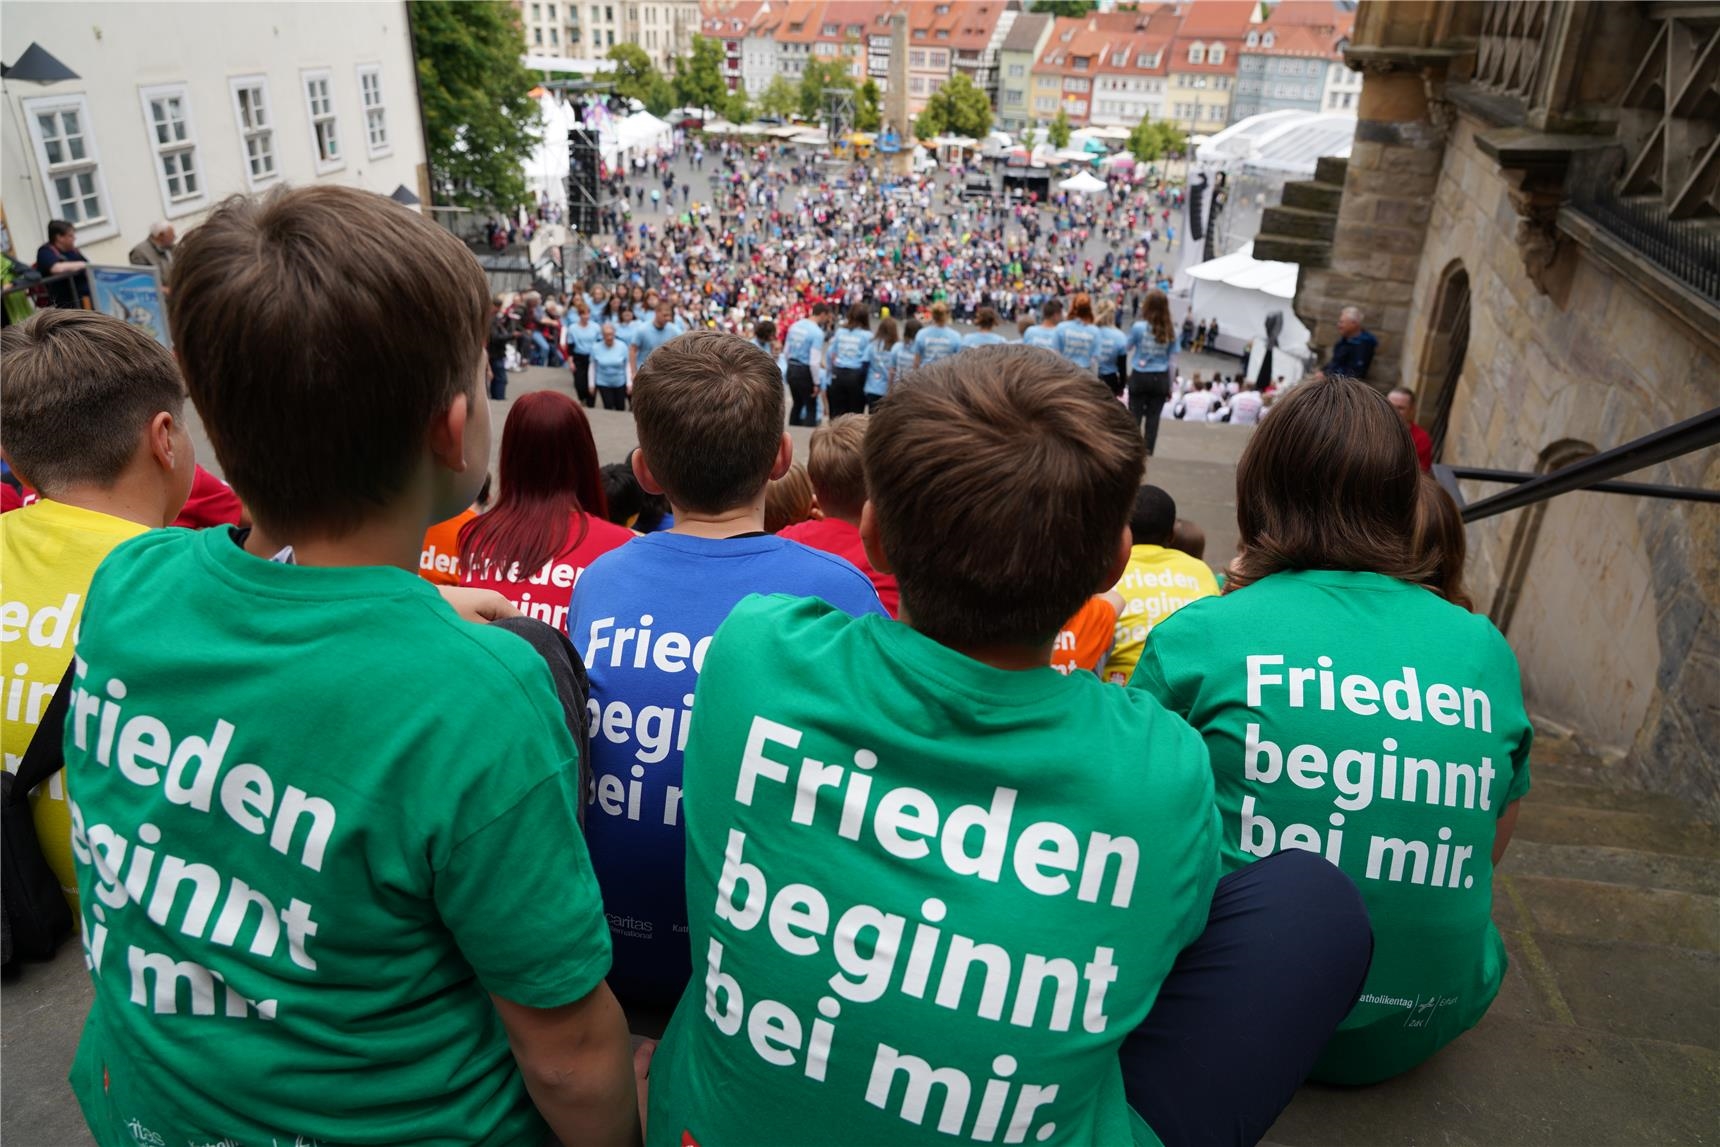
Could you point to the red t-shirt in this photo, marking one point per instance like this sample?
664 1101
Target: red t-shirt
10 499
212 503
834 536
1423 446
545 593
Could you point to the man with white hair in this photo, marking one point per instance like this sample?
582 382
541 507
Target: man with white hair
156 251
1353 353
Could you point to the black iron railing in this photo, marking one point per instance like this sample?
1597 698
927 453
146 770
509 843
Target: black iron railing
1687 250
1592 473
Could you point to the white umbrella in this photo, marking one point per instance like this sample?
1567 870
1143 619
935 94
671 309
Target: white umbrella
1084 182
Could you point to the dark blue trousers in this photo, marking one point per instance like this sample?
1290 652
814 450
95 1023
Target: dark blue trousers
1248 1006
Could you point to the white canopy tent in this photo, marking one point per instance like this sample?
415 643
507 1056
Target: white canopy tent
638 134
618 139
1083 182
1240 291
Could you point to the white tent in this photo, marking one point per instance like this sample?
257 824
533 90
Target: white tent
640 134
546 169
1240 291
1084 182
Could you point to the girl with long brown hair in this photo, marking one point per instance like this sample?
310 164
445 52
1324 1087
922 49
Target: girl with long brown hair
1152 351
1352 707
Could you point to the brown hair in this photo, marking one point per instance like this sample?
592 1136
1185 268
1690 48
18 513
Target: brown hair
1001 479
887 333
1081 307
320 330
985 318
860 317
940 312
1157 313
836 463
709 410
1439 536
1328 483
788 499
78 389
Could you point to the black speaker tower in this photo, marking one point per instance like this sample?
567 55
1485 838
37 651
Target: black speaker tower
583 159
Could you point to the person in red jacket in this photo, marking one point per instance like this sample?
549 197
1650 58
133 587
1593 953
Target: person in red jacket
1402 399
834 463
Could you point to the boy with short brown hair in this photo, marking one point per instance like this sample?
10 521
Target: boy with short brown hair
337 778
837 467
709 410
918 854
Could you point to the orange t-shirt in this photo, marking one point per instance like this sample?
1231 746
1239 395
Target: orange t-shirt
440 561
1085 638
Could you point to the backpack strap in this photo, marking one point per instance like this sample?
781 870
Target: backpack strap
46 754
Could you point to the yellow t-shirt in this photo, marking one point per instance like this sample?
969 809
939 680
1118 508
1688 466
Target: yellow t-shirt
1156 583
48 553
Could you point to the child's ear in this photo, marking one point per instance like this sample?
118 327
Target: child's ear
642 471
784 457
873 544
448 434
1119 562
164 444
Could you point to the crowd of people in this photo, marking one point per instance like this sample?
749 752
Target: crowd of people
935 787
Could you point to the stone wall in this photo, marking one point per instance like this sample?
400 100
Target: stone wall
1612 602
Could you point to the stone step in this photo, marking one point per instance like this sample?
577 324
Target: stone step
1331 169
1314 195
1289 249
1298 223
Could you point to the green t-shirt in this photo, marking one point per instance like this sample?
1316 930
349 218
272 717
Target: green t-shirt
317 819
928 898
1371 721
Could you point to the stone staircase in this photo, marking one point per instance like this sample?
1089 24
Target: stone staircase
1299 229
1607 1029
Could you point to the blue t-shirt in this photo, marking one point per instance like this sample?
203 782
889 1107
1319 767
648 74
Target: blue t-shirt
1041 335
802 339
609 364
1079 342
580 339
625 332
1112 342
647 336
884 360
641 617
1151 355
981 338
934 342
851 349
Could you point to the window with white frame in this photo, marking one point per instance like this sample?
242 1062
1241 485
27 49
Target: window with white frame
1197 53
256 128
71 169
1215 54
1045 103
1016 71
325 128
376 108
167 118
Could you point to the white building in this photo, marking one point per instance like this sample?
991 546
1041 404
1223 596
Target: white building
1342 90
180 105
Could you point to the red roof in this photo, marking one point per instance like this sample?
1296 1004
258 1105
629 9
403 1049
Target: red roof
1295 40
1217 19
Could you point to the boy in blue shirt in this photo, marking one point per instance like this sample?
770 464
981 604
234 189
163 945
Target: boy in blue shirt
709 412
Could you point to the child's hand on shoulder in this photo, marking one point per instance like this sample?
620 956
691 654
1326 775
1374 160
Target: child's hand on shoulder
478 605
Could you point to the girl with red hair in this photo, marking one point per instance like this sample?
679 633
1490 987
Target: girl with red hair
549 520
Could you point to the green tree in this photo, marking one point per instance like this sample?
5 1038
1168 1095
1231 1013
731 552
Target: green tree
634 72
1029 137
958 107
1064 7
699 77
1152 140
478 118
780 99
736 107
821 74
1058 132
867 114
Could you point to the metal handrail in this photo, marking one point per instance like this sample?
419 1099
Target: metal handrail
1594 472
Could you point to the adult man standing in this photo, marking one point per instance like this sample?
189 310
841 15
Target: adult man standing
1403 401
1353 354
157 251
647 337
803 340
59 255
